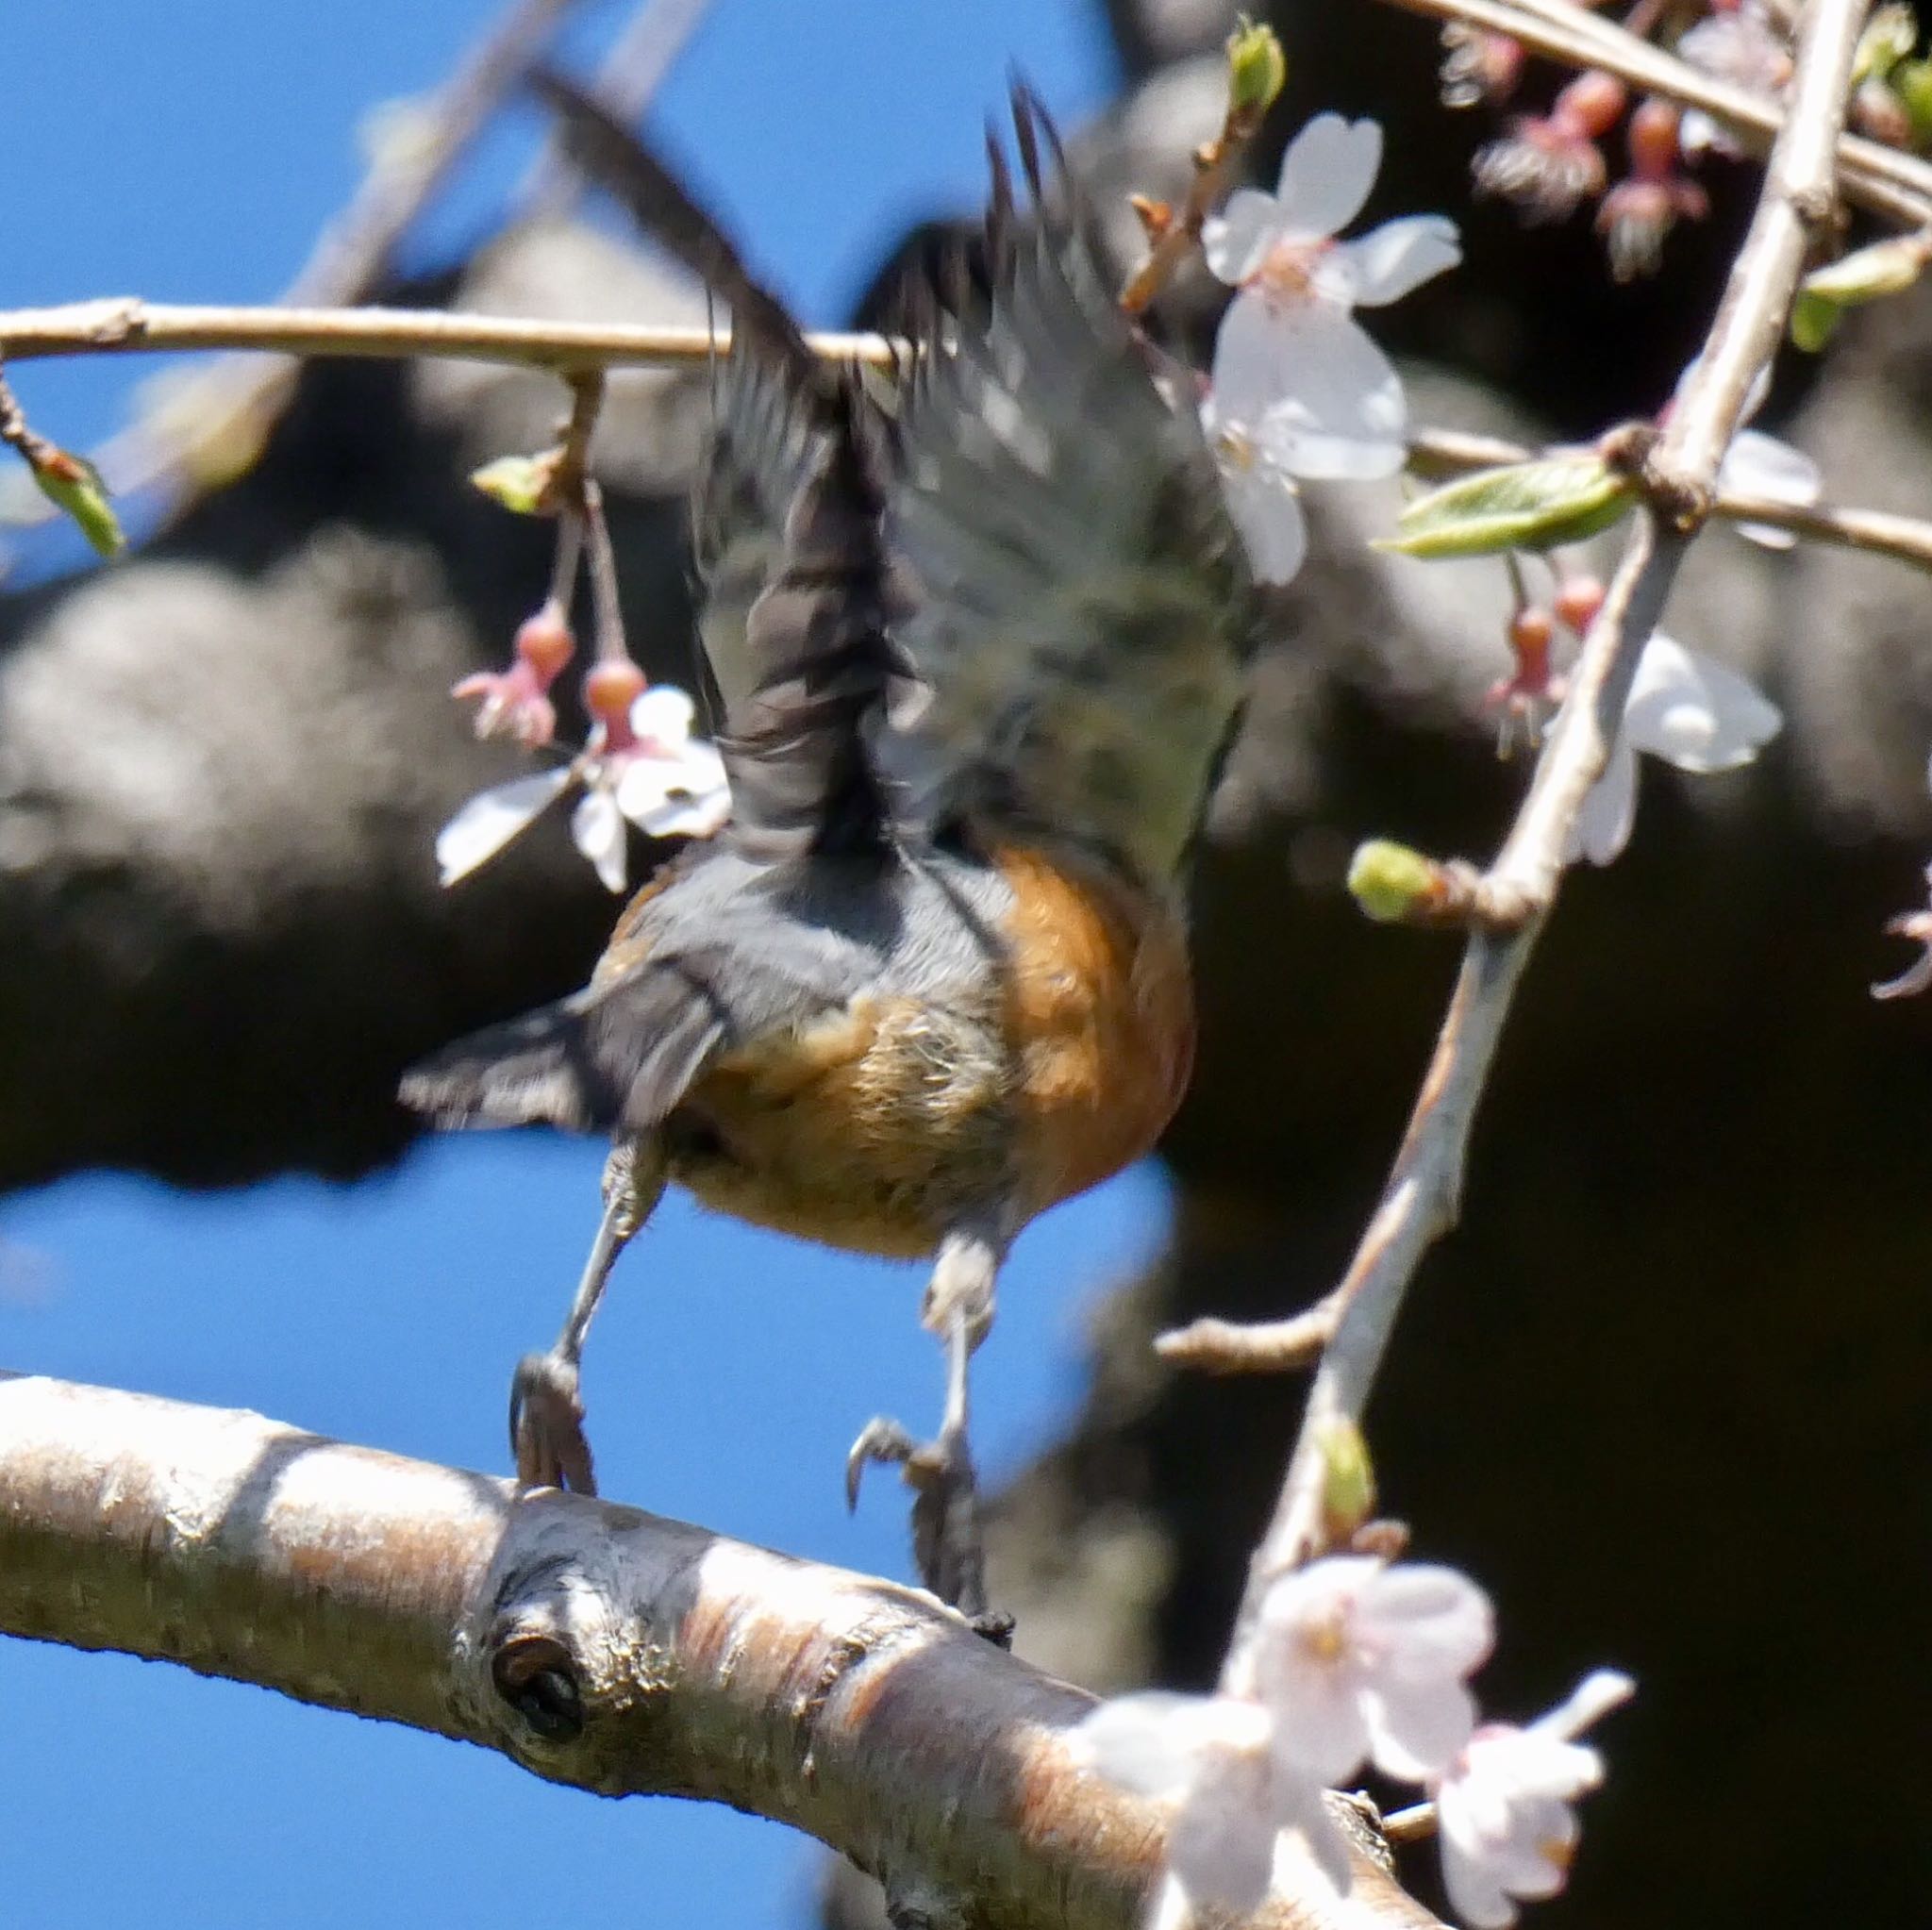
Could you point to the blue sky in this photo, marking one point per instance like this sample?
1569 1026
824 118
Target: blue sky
191 154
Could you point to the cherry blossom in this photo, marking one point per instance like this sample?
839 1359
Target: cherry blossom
516 702
642 765
1548 165
1212 1755
1737 43
1293 371
1690 711
1261 494
1363 1661
1504 1808
1643 209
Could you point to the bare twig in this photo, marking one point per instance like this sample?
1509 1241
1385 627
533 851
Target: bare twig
1218 1346
1895 185
595 1645
1217 167
235 405
128 325
33 448
1420 1199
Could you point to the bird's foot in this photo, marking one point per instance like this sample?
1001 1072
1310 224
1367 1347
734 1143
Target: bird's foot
546 1425
946 1543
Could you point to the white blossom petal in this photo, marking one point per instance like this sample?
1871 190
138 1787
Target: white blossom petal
1389 261
1432 1622
1758 465
1153 1743
685 795
1236 241
1596 1695
1309 1844
1268 513
1609 810
1327 174
1695 712
596 827
491 818
1221 1847
1417 1730
663 715
1311 389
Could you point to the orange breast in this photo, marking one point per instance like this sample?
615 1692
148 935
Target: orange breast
1100 1018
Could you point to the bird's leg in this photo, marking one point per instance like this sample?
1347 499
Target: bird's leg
546 1413
958 1308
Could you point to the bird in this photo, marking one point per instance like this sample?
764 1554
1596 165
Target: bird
981 635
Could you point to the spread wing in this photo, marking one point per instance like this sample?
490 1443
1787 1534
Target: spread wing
1084 614
799 594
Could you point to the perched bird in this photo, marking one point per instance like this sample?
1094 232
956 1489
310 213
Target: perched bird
981 637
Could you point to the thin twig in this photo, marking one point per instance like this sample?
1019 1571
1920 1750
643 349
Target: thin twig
1218 1346
1420 1199
1217 166
128 325
1905 538
597 1646
1895 185
239 401
33 448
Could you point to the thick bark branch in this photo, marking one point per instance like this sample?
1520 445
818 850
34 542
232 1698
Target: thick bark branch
594 1644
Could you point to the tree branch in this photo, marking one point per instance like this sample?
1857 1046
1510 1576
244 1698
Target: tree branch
128 325
596 1645
1420 1201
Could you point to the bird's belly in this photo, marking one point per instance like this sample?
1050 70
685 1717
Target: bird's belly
873 1129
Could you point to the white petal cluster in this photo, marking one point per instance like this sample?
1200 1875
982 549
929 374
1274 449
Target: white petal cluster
663 780
1688 710
1299 391
1357 1662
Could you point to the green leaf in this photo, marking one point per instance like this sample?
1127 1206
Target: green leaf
74 483
523 484
1866 274
1257 67
1539 504
1890 34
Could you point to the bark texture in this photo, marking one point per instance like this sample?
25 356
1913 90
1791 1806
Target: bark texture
596 1645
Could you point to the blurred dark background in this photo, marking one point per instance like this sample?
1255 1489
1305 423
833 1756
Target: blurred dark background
1664 1391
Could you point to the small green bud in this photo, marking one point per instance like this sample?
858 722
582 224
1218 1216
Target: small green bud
1391 882
1256 68
1348 1479
1540 504
523 484
1890 35
75 485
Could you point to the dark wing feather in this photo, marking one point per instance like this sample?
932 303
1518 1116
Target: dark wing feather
617 1055
799 594
1084 614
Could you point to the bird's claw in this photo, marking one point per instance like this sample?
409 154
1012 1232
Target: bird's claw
945 1506
546 1425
